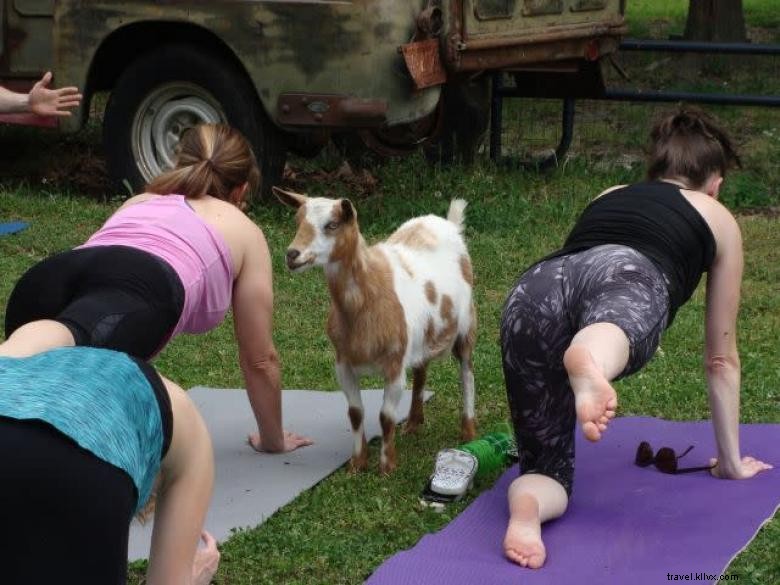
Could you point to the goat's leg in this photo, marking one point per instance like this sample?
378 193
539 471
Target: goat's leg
387 418
462 350
416 415
468 428
349 385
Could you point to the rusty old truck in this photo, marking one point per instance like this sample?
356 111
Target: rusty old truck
292 74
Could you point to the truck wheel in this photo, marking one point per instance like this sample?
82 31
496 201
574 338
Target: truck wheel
170 89
465 122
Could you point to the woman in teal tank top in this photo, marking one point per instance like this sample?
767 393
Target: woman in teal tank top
85 434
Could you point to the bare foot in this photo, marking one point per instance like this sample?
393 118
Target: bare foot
523 541
595 399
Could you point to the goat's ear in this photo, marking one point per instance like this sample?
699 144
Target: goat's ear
289 197
347 210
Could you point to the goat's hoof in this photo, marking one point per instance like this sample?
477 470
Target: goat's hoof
387 468
358 464
468 429
411 426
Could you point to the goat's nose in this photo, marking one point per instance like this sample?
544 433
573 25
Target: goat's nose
292 254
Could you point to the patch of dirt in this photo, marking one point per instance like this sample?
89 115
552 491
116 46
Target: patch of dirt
73 163
359 182
83 171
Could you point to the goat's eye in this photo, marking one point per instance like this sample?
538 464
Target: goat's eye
331 226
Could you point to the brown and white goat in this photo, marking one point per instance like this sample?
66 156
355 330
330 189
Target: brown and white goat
394 305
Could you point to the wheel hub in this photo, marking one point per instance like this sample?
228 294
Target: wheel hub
161 120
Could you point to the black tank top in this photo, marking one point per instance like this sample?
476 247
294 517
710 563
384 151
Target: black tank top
655 219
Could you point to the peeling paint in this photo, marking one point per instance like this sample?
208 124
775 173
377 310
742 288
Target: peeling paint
347 48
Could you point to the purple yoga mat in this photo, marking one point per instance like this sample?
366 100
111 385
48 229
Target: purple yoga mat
625 524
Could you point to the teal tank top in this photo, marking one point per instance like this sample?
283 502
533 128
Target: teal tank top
99 398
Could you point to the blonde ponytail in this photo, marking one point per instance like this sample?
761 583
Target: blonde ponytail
212 159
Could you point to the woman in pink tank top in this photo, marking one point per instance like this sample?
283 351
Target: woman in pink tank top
172 260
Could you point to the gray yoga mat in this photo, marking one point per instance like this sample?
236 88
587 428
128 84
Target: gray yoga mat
251 486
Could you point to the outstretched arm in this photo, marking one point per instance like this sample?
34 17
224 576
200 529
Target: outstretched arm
721 359
253 318
41 100
12 102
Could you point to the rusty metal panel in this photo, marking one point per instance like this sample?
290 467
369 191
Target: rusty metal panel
588 5
424 64
490 9
542 7
303 46
474 44
512 56
328 110
529 17
546 35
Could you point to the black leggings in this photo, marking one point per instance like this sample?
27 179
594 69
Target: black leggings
64 513
114 297
550 303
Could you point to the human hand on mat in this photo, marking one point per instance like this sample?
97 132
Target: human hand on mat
206 562
52 102
292 441
748 467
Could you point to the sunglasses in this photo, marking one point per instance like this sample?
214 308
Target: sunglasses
665 460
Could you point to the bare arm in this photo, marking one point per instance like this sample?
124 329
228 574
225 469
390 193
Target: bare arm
185 492
41 100
721 359
12 102
253 318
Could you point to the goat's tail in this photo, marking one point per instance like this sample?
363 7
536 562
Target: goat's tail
457 214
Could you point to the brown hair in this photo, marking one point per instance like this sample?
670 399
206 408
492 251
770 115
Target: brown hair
212 159
689 145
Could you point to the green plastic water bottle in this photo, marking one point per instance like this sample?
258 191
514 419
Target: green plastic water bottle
494 451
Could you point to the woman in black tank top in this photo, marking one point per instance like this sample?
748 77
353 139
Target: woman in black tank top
594 311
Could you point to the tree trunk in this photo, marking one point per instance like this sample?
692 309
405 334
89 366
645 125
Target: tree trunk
719 21
715 20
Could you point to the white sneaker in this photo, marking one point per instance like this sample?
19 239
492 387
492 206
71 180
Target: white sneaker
454 472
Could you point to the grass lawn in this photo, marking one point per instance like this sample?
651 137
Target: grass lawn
342 529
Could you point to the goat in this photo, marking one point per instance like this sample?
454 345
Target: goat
395 305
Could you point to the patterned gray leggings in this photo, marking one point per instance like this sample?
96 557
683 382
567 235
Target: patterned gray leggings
550 303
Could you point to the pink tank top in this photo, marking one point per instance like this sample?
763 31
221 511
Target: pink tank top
168 228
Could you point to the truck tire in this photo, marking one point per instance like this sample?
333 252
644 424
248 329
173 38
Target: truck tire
465 122
172 88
